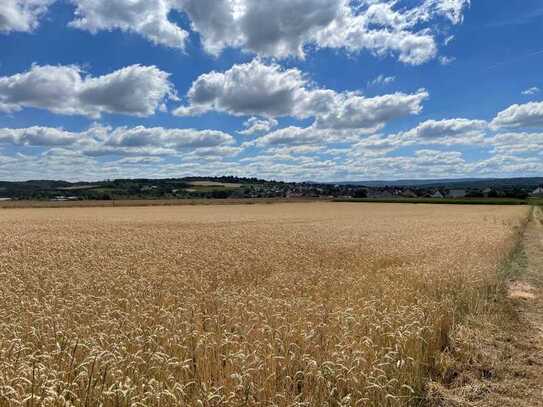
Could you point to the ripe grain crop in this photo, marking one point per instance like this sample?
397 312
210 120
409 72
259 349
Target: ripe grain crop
317 304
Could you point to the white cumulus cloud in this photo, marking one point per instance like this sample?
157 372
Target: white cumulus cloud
282 28
259 89
170 138
448 131
37 136
279 28
351 111
249 89
520 116
522 143
124 141
134 90
22 15
258 126
149 18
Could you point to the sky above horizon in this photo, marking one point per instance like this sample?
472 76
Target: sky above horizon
320 90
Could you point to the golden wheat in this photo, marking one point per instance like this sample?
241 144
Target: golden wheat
315 304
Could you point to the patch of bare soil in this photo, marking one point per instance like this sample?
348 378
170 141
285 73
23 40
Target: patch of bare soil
497 361
521 290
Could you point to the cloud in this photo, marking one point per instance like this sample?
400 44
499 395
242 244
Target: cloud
157 136
279 28
531 91
153 141
384 30
249 89
374 146
449 131
139 160
382 80
22 15
350 111
293 136
258 126
283 28
37 136
429 157
258 89
445 60
214 152
132 141
5 160
517 143
506 164
295 150
352 33
450 9
291 154
424 163
431 132
520 116
134 90
148 18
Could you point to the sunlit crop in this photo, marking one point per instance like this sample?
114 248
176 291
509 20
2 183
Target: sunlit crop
309 304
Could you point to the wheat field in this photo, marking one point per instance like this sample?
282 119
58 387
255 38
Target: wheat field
305 304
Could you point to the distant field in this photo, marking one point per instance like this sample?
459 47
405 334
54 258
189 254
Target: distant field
210 186
79 187
250 201
449 201
214 184
307 304
145 202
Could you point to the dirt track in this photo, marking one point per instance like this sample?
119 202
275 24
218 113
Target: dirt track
499 362
523 385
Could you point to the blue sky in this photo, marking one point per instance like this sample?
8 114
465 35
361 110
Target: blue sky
292 89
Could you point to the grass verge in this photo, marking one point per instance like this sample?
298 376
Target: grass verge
482 366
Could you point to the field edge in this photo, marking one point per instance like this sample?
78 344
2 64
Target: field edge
486 363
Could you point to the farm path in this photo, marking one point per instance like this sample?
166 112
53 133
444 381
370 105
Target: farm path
521 383
531 310
503 356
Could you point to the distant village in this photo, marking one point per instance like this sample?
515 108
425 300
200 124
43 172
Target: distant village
391 192
241 188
